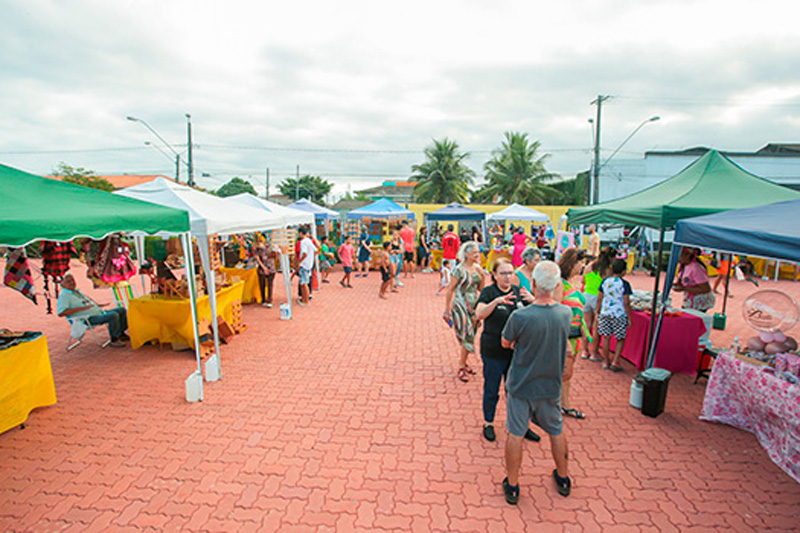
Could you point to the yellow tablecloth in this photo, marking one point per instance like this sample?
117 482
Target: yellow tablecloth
26 381
250 277
436 260
167 320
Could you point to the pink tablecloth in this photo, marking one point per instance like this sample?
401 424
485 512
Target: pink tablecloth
677 344
746 397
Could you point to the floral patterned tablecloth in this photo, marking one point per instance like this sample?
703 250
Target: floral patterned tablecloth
745 396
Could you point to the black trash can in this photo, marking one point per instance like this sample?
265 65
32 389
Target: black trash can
654 395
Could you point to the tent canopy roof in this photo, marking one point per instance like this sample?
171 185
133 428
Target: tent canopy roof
303 204
710 184
767 231
285 216
37 208
519 212
455 212
208 214
381 208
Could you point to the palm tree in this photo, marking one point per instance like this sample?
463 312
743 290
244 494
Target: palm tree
443 177
516 173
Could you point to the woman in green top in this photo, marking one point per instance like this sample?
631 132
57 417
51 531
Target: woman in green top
597 271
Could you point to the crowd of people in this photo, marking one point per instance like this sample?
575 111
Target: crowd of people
533 317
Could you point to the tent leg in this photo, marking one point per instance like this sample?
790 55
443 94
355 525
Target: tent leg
655 294
727 284
194 384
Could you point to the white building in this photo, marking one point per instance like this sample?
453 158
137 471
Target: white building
779 163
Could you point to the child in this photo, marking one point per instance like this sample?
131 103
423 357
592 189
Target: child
445 274
346 252
386 270
614 312
327 258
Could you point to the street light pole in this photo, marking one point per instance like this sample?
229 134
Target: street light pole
628 138
177 155
189 143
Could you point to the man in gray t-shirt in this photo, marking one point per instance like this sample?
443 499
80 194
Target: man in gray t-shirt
538 334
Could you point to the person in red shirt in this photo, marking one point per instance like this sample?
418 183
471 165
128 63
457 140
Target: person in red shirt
407 235
450 244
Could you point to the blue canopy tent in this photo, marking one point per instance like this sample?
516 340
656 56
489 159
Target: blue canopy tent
381 209
768 231
456 212
320 213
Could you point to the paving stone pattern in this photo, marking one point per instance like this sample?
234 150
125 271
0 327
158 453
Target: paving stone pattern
350 418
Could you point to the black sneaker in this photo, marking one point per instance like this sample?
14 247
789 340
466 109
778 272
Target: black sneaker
511 493
563 484
531 436
488 433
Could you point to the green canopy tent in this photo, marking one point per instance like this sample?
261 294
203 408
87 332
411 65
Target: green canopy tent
710 184
36 208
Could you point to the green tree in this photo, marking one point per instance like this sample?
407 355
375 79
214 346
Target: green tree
312 187
516 173
236 186
443 177
571 191
83 177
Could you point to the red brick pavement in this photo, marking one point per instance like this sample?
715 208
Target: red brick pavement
349 417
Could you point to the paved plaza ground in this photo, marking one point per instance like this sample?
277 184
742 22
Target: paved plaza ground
350 417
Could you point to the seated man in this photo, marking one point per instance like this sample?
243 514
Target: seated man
73 303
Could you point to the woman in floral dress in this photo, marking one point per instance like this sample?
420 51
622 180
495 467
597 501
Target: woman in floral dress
462 298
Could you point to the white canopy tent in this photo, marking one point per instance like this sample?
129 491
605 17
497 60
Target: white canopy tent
208 215
519 212
287 216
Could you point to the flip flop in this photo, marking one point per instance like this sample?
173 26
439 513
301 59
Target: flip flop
595 359
573 413
462 375
615 368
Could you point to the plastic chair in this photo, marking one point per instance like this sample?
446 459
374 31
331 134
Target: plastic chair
80 325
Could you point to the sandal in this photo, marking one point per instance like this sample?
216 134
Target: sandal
462 375
469 370
573 413
584 355
615 368
595 358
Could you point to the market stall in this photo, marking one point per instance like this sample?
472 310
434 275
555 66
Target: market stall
710 184
285 217
36 208
156 318
208 215
454 212
512 213
677 351
26 380
741 394
757 391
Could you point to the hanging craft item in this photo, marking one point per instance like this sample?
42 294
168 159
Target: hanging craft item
18 275
115 263
55 263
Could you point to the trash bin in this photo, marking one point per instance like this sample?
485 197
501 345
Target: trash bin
655 382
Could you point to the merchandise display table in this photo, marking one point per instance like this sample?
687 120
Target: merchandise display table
26 381
743 395
250 293
677 344
167 320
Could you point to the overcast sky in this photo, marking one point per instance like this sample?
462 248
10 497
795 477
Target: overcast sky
355 90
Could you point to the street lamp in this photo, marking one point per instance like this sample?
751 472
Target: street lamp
189 143
177 155
597 167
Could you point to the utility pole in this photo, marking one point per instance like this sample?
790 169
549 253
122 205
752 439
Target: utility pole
189 142
177 168
297 184
266 197
596 166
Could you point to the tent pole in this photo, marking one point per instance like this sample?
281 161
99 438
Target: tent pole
655 293
727 284
188 263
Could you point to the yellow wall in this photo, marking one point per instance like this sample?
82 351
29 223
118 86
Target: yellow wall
553 211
